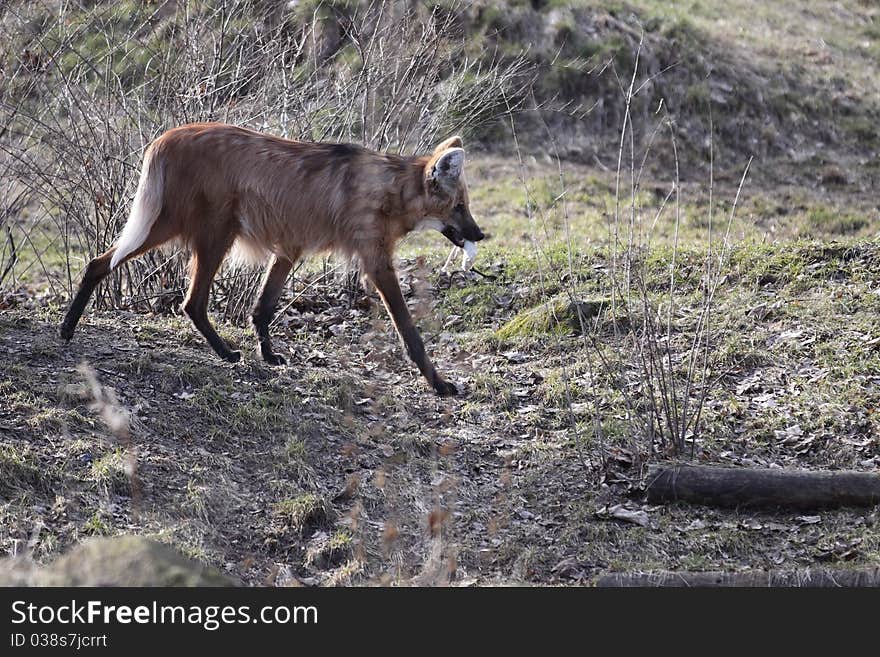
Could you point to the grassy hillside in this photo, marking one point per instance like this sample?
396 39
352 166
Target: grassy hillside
343 468
791 82
757 297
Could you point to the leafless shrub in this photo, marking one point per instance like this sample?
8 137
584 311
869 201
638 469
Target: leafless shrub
666 387
659 360
87 87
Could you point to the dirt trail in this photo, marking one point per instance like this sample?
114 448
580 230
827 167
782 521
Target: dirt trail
219 448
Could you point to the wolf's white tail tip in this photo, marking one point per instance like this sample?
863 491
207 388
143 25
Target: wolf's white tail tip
144 211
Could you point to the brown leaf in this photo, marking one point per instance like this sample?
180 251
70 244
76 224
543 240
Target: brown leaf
447 448
390 533
436 519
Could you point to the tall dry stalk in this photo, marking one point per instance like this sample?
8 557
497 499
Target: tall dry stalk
659 366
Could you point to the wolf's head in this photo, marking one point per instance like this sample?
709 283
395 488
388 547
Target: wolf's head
448 203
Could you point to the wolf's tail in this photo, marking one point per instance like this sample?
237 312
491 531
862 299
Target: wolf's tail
144 210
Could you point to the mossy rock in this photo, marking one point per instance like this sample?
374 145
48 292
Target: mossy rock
560 315
116 561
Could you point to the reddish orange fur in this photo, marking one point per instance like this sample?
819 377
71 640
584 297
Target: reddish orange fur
288 197
217 184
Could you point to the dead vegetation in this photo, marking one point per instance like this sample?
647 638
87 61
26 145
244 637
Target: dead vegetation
584 345
341 469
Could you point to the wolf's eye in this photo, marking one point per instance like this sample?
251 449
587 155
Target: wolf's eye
459 207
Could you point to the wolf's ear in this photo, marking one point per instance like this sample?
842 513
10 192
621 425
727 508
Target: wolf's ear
445 169
452 142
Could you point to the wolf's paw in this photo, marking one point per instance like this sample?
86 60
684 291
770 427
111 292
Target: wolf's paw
445 388
231 356
274 360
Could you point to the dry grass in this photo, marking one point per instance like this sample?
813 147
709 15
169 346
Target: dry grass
342 468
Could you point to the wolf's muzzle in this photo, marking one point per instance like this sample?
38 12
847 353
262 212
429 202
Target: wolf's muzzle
459 237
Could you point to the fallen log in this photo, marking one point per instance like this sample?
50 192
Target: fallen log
806 578
753 487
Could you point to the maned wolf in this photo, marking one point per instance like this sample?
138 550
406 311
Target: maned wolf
210 185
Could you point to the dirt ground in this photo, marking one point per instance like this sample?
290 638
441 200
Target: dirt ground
342 467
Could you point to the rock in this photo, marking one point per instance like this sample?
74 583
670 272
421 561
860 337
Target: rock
559 314
117 561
